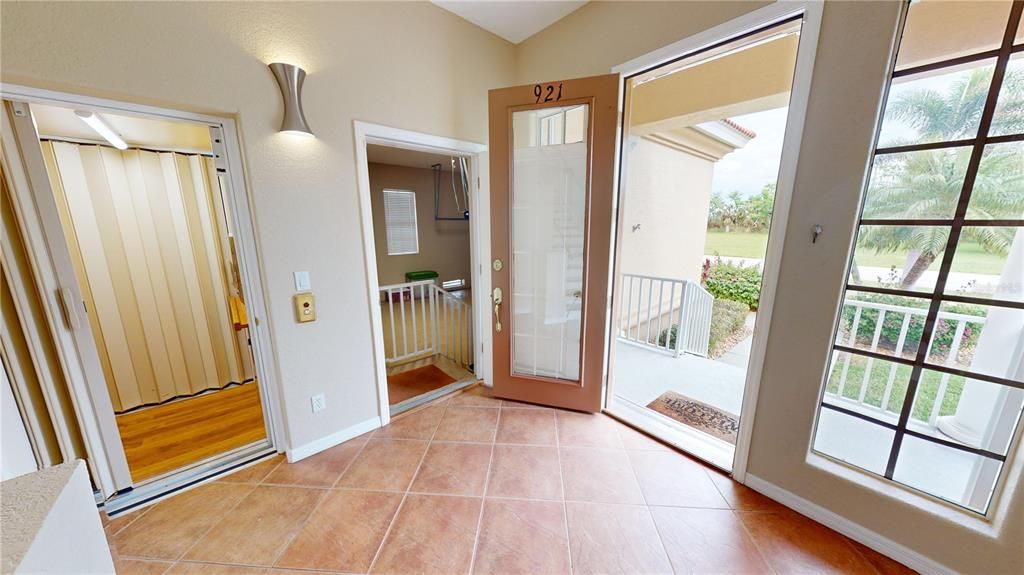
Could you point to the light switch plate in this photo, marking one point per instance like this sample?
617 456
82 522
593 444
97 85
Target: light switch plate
318 402
302 281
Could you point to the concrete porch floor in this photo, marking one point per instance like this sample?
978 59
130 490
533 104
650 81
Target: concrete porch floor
641 375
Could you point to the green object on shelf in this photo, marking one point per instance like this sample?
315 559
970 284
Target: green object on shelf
420 275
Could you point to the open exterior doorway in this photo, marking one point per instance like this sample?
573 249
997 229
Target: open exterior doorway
711 134
138 227
421 210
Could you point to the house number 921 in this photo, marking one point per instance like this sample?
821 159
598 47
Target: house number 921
548 93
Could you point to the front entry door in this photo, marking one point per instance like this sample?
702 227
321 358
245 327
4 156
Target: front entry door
552 151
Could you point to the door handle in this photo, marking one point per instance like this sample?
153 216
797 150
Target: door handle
497 307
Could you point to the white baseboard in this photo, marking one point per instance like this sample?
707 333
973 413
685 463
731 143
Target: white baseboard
854 531
313 447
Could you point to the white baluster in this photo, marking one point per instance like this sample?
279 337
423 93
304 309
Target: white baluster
954 350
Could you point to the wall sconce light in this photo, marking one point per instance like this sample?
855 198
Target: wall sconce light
289 79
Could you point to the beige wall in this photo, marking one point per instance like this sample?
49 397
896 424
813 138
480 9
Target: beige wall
411 65
444 245
849 75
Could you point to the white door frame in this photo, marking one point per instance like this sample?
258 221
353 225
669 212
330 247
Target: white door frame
775 13
479 232
85 378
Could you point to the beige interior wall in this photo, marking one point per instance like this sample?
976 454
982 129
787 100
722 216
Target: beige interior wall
849 76
410 65
147 247
444 245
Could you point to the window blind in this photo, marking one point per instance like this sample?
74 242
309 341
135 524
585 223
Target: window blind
400 222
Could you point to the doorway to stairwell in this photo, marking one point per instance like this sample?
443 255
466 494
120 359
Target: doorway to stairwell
421 211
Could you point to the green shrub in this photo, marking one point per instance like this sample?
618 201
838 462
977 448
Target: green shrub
727 318
734 282
890 334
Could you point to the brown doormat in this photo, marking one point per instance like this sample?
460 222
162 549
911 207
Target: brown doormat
698 415
408 384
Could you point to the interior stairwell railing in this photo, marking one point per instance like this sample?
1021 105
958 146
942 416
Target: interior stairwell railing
421 320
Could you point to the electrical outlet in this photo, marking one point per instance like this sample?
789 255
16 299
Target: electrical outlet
319 403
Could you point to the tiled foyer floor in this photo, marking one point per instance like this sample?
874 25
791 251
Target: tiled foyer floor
477 484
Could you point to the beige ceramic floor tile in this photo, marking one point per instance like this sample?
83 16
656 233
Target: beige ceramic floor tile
320 470
525 471
385 465
453 469
587 430
527 426
525 537
613 539
431 534
668 478
344 532
254 473
417 425
140 566
792 543
707 541
476 424
257 530
190 568
599 476
172 526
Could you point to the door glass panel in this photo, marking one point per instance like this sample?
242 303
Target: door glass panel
549 194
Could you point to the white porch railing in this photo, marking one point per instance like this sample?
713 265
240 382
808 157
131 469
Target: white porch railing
421 319
652 305
905 316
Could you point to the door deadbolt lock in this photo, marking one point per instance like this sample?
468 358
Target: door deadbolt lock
497 265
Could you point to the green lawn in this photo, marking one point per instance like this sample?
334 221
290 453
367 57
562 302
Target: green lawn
970 257
927 389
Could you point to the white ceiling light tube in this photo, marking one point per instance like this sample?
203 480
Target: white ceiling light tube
102 128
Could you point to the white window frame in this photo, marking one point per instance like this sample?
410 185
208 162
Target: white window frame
387 223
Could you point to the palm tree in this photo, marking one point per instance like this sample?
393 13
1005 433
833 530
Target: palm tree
927 184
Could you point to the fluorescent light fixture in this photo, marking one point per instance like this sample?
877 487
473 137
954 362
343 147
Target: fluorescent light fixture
102 128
